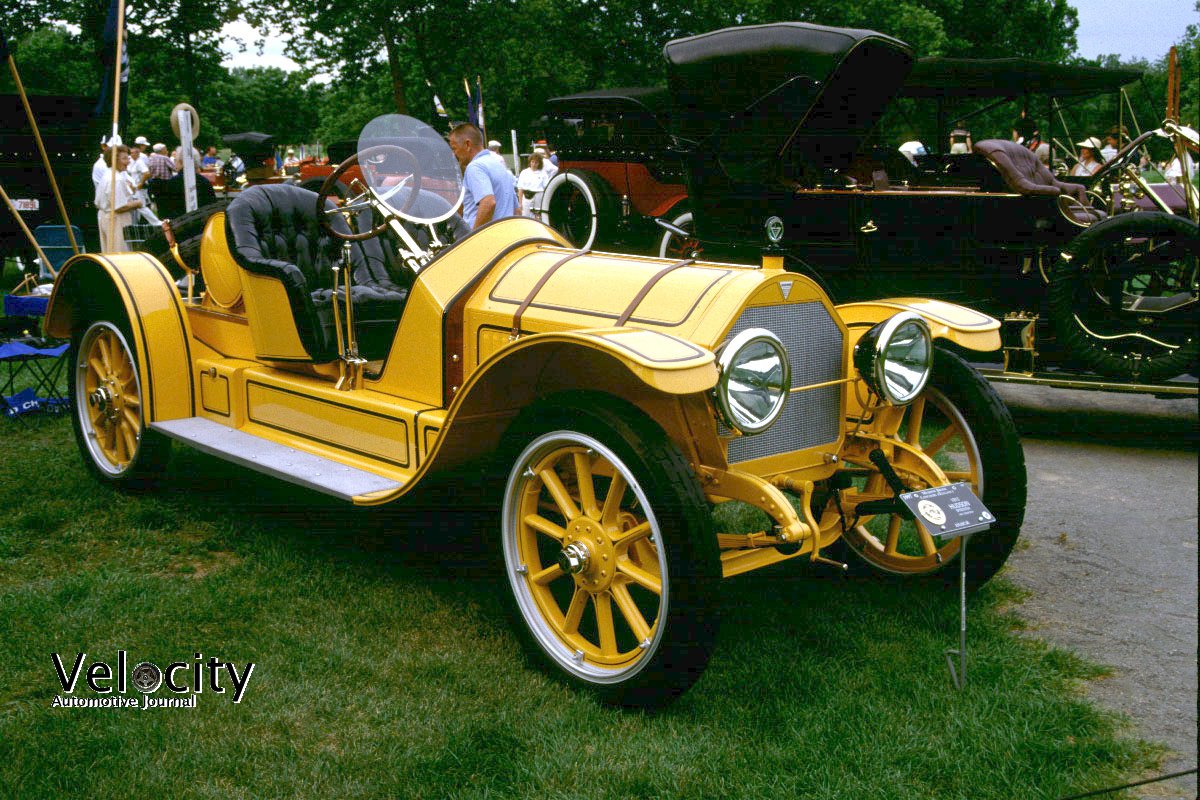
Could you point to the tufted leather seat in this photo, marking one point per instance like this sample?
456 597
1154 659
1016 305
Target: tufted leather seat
273 231
1025 174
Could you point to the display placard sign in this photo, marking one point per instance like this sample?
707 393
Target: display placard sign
949 511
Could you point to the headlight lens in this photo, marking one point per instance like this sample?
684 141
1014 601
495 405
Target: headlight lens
895 357
755 380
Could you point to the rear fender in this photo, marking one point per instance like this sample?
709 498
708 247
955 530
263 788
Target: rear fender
965 327
88 288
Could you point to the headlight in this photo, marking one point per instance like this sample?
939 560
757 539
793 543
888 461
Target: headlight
895 357
755 380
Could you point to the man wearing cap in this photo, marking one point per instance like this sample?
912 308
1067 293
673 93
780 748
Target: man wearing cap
489 189
1089 149
139 172
101 165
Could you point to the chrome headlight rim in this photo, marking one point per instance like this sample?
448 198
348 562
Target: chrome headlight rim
727 357
877 340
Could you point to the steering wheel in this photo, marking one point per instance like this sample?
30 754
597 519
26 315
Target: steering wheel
1119 160
409 163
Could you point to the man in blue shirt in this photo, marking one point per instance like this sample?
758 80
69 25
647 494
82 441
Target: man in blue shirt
489 187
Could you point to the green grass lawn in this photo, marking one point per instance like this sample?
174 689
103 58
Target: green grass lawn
385 666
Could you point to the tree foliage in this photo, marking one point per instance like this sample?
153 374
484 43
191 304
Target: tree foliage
380 55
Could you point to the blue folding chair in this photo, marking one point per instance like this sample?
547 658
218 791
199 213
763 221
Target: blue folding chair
56 244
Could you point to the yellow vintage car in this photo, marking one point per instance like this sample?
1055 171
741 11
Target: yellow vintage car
618 401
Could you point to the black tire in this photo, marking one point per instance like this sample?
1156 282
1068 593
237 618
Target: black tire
580 205
1148 258
991 453
651 656
101 407
187 229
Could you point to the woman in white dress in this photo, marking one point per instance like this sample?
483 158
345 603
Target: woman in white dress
530 184
117 199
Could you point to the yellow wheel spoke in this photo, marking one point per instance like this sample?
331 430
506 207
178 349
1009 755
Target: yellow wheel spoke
893 535
587 489
640 576
131 418
604 624
130 442
558 492
575 612
105 355
916 415
609 515
927 543
940 440
629 610
629 537
961 476
545 576
96 366
543 525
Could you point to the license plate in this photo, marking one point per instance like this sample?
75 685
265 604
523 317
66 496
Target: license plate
27 204
949 511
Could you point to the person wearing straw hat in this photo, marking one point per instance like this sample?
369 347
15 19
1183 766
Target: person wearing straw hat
1089 158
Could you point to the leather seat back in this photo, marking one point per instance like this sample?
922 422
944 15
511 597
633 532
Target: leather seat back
273 231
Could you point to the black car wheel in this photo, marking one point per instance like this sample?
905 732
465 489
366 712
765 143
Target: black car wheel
1123 296
579 205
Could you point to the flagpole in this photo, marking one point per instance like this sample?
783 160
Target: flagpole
37 135
112 214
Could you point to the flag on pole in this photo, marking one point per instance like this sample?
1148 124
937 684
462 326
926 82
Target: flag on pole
108 57
438 108
472 116
481 124
3 46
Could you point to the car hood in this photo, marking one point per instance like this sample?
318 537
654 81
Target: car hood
810 93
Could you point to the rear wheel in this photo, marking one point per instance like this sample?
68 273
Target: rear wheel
962 424
609 553
1123 297
578 204
106 399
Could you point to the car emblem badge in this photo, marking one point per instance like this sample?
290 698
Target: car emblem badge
774 227
786 288
932 512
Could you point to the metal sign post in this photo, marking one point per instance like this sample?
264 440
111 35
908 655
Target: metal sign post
949 512
189 164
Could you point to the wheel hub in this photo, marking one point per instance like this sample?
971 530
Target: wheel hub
106 400
588 555
574 558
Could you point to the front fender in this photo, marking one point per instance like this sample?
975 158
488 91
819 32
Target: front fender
93 286
963 326
665 376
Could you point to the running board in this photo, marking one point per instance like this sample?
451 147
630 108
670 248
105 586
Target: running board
278 460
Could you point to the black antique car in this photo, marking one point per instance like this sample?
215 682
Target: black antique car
772 125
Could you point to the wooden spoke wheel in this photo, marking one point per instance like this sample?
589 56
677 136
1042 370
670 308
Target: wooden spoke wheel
107 400
609 558
961 424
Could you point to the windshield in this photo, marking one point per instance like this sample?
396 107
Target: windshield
410 167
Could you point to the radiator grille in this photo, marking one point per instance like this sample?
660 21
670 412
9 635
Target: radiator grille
814 345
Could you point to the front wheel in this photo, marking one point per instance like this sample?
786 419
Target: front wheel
609 553
962 424
106 399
